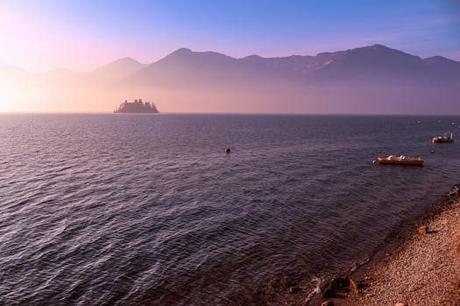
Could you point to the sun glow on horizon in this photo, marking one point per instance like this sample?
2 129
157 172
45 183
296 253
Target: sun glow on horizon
60 44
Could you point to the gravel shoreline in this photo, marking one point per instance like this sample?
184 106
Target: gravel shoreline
424 269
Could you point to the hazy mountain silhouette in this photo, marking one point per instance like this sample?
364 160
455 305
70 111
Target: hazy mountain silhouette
120 68
6 70
371 61
372 79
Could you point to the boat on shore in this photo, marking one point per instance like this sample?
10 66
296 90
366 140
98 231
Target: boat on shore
446 138
399 160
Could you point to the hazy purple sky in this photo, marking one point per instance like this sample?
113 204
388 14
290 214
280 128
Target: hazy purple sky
80 35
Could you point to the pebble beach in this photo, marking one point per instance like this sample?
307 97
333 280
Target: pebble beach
424 269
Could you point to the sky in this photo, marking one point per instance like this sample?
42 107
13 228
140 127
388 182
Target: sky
82 35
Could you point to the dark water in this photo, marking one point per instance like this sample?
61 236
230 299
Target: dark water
108 209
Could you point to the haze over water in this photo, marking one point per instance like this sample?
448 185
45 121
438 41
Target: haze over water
107 209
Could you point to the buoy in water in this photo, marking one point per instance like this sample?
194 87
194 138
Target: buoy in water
227 150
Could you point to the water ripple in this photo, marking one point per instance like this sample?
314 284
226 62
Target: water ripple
103 210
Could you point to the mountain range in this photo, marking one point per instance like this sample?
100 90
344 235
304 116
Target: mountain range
371 79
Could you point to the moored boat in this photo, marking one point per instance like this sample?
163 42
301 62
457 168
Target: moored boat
446 138
400 160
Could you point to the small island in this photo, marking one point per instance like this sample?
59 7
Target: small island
136 107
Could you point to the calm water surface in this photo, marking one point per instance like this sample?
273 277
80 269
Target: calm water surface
135 209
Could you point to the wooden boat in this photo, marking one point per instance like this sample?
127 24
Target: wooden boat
400 160
446 138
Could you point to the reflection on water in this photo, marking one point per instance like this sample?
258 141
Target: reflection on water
104 209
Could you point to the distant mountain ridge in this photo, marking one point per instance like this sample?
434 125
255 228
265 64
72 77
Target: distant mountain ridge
371 57
120 68
375 79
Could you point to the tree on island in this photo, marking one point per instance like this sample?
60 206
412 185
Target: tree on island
138 106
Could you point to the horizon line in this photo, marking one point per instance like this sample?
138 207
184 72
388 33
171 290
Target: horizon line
231 113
